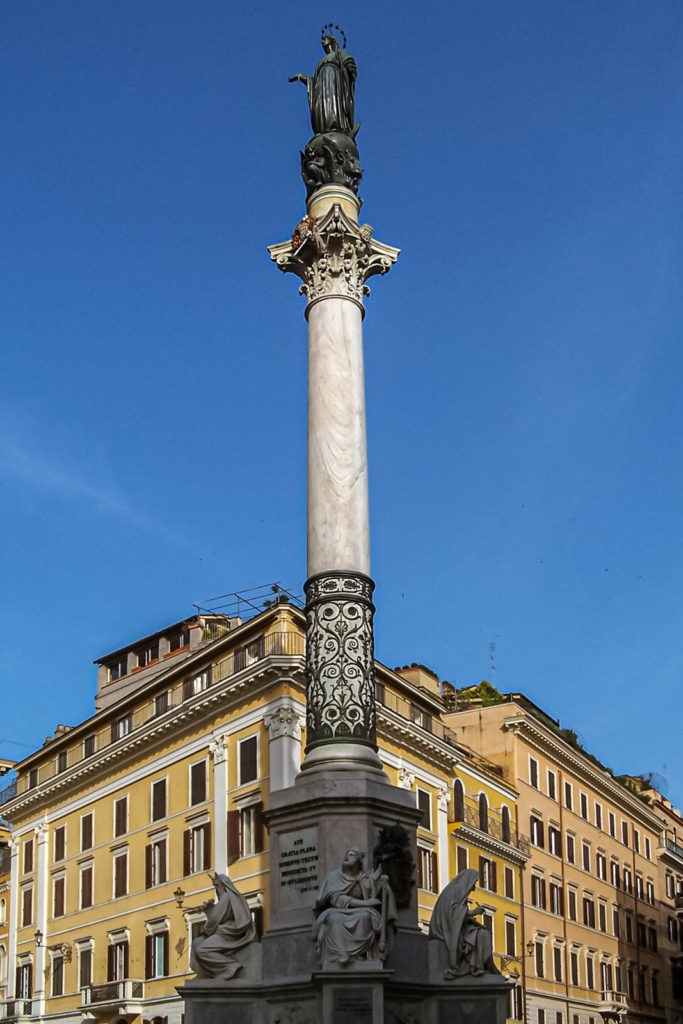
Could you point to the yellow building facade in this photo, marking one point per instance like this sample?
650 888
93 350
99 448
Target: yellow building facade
118 821
592 922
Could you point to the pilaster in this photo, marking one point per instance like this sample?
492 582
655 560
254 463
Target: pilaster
42 840
13 916
443 799
218 748
284 735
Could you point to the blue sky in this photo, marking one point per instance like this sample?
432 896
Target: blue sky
523 359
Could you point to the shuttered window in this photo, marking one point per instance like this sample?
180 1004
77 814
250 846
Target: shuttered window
198 783
86 832
60 842
121 874
58 892
121 816
248 760
86 886
158 799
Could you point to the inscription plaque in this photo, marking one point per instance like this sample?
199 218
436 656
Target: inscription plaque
352 1007
298 867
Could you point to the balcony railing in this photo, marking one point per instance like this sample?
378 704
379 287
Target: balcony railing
15 1008
493 825
114 992
674 847
8 793
678 901
611 999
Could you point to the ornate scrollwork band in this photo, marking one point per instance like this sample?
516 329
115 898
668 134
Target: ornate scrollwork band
340 676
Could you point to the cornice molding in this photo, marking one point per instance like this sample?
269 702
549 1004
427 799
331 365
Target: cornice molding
565 755
487 842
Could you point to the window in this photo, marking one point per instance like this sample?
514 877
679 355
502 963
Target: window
424 804
655 987
120 873
630 983
88 746
33 778
505 824
461 858
248 762
156 955
629 927
158 799
121 727
536 831
572 902
555 840
584 806
58 896
510 937
60 842
118 669
606 977
540 962
61 761
57 963
624 833
487 874
612 824
117 959
628 880
598 816
636 840
568 796
458 801
559 1019
533 772
616 927
3 914
147 654
155 862
557 963
197 783
669 886
28 856
602 917
161 703
427 870
86 831
25 979
197 854
509 883
588 913
251 831
574 967
538 891
26 906
614 874
556 901
586 856
516 1004
552 785
177 641
590 972
121 816
195 684
652 938
84 966
483 813
86 887
640 891
648 848
540 1017
641 933
601 866
571 855
672 929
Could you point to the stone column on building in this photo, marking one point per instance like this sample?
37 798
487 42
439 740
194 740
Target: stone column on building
42 896
284 724
13 916
443 798
218 748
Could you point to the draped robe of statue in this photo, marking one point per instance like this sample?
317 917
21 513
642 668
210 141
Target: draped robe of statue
342 932
330 93
228 927
468 943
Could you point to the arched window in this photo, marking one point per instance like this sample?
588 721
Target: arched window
458 801
3 965
3 911
505 824
483 813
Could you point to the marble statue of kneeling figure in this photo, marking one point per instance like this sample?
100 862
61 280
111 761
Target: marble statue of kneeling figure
229 927
467 942
355 909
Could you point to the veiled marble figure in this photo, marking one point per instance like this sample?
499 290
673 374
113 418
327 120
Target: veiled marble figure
355 908
229 927
467 941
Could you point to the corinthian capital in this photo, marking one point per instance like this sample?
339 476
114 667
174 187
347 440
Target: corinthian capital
284 721
333 255
443 798
218 748
406 779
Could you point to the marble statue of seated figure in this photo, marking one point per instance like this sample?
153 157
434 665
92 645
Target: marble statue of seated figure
228 927
467 941
355 908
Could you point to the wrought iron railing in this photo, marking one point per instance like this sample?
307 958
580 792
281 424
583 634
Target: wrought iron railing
8 793
14 1008
493 825
114 991
674 847
613 997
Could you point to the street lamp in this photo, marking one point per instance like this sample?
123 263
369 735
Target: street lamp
179 897
38 937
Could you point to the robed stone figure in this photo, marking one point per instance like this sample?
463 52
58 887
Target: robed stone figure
467 941
355 909
229 927
330 90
